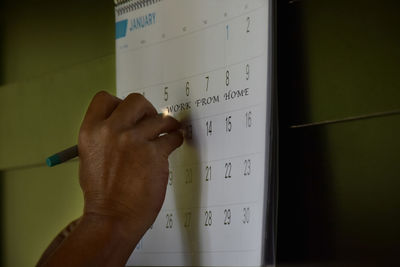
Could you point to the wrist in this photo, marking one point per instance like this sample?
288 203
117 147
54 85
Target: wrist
117 228
117 213
96 241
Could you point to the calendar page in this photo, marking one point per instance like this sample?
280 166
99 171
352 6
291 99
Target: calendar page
206 63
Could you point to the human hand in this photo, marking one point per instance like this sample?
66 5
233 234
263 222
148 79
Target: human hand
124 160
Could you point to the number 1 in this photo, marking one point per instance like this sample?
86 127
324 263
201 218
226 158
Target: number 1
208 80
228 124
170 178
209 128
208 173
247 72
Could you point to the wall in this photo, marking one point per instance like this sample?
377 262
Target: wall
338 182
54 56
339 200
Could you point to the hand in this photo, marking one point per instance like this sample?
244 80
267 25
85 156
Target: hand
123 173
124 160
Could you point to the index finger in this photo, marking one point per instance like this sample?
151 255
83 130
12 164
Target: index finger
169 142
101 107
152 127
132 109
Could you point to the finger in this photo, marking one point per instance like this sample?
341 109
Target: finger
151 127
169 142
101 107
132 109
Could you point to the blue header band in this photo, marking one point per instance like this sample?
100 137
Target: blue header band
120 28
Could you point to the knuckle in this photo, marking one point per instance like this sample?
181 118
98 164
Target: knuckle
141 101
172 121
146 156
151 108
134 97
176 140
106 131
125 138
85 134
151 151
102 95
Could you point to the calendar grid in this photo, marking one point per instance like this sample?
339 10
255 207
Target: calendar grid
191 32
203 251
205 64
224 113
219 159
152 86
231 204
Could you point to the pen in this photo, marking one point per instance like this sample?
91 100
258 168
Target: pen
62 156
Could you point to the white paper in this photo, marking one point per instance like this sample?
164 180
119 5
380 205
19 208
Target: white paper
205 63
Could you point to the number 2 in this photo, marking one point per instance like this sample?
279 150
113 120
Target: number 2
170 221
188 132
188 218
208 218
228 170
228 124
228 216
247 167
246 215
189 176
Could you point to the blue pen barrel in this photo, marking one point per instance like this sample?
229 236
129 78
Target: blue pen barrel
62 156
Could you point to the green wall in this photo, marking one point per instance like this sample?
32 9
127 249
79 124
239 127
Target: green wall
54 56
339 183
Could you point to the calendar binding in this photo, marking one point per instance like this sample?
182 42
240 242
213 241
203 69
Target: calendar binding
125 6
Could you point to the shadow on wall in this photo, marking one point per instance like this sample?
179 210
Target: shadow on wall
1 83
305 230
2 261
2 23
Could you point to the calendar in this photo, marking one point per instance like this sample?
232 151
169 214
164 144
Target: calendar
207 63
